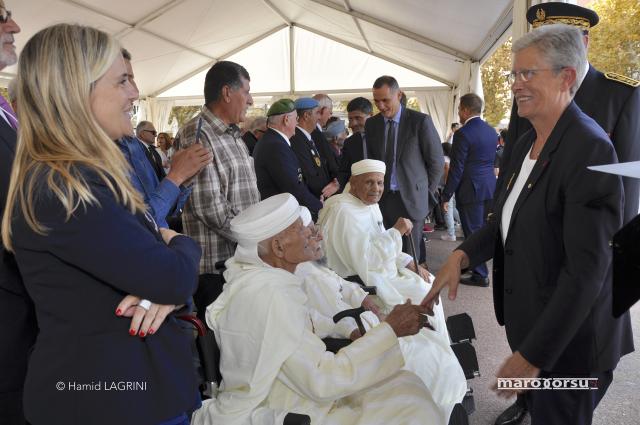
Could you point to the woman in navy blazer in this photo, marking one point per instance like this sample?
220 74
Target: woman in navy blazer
84 242
549 238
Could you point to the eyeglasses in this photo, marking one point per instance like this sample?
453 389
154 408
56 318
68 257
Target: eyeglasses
5 15
527 74
155 133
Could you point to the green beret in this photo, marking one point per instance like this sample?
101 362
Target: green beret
282 106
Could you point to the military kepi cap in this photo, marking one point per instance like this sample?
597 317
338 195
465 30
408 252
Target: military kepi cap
282 106
306 103
562 13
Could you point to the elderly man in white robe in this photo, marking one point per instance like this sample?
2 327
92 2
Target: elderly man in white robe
271 361
428 356
356 242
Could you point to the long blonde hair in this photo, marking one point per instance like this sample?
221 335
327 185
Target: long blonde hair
58 135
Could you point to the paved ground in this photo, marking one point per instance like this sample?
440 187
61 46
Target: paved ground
621 404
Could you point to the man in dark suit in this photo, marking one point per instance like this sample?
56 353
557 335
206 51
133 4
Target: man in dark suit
355 146
277 167
471 176
18 327
255 130
613 101
313 166
408 143
325 110
146 133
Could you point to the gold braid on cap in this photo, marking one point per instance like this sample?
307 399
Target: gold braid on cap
542 19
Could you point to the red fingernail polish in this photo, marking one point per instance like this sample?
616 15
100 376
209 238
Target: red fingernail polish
132 332
141 334
118 312
151 332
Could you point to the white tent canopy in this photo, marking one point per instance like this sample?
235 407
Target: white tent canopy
291 47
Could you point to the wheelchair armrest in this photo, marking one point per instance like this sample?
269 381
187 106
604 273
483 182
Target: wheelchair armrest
296 419
371 290
355 313
197 323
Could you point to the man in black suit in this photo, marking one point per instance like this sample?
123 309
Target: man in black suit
613 101
408 143
255 130
146 133
18 327
277 167
355 146
325 110
313 166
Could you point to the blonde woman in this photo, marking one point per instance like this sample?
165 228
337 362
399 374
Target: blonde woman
83 241
165 151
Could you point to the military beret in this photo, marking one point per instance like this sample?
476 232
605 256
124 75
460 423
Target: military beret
335 129
282 106
562 13
306 103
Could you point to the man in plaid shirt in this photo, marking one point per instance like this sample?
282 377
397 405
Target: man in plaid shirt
226 186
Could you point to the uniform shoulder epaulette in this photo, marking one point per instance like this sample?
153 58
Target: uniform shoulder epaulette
622 79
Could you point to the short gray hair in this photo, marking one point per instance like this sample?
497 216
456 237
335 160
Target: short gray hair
257 122
141 125
559 44
324 101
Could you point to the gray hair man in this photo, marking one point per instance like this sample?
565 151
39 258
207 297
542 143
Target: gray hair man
274 363
254 132
18 326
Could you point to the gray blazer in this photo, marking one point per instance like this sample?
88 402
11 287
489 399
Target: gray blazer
420 161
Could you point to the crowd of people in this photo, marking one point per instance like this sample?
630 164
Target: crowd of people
110 233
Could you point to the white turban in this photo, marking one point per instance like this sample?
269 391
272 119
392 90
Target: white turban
305 215
260 222
368 166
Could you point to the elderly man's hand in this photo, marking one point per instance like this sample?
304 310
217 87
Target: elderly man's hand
403 225
407 319
449 275
422 272
187 162
369 304
331 188
515 366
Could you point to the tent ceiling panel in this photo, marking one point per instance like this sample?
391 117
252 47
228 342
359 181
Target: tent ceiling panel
342 67
124 10
308 14
454 23
412 53
215 27
157 63
267 62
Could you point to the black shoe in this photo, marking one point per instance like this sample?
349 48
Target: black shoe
513 415
475 280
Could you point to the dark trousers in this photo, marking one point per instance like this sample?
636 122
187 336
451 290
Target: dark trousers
472 217
393 208
209 287
566 407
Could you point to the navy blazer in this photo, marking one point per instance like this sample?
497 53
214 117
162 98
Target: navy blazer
278 171
352 152
330 163
552 276
18 328
616 108
473 154
77 273
420 161
315 176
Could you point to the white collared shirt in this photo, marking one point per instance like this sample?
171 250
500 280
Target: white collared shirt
283 135
306 133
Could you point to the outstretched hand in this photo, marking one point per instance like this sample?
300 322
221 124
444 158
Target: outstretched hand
448 276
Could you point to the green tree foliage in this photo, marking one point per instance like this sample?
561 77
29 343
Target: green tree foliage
497 92
182 114
614 44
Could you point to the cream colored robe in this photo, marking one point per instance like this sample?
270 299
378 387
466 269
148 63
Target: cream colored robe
272 363
426 354
356 243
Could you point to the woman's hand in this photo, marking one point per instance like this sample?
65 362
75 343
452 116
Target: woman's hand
167 234
145 321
